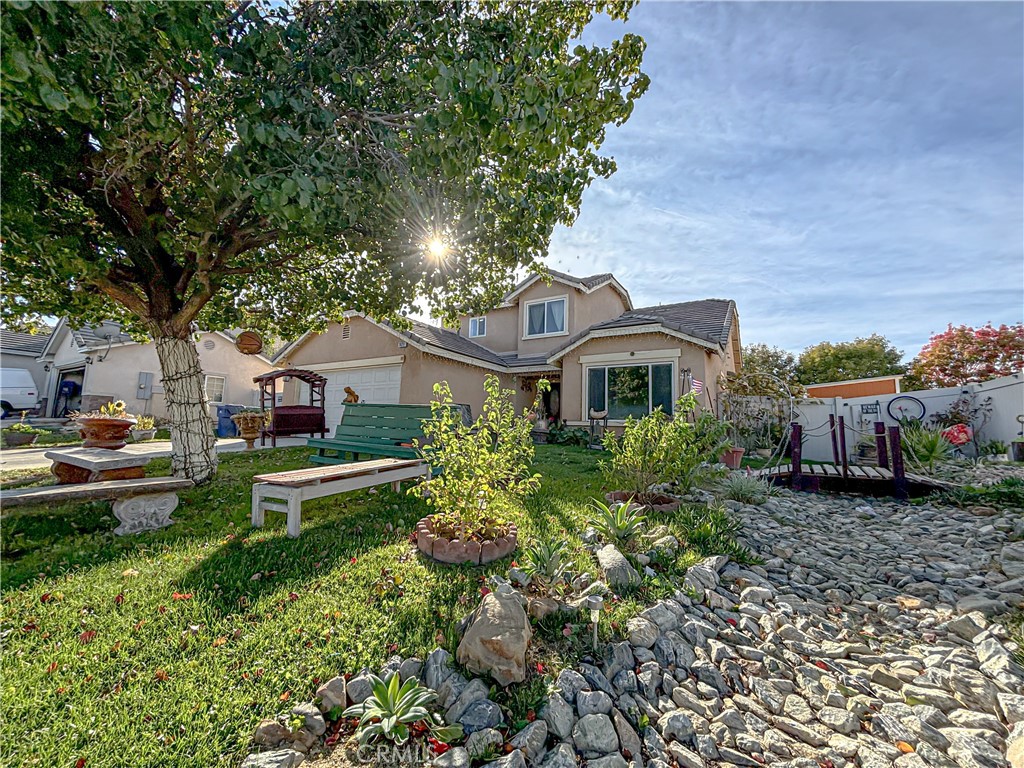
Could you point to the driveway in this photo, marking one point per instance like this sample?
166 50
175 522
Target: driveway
34 458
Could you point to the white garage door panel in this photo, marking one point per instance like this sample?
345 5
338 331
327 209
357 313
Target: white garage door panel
381 384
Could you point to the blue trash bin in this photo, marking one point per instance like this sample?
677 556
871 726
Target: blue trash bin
225 426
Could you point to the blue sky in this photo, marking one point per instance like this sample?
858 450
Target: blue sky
838 169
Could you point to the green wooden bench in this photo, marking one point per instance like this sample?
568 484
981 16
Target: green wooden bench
371 430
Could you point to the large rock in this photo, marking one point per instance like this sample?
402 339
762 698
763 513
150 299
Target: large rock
616 568
270 733
496 639
559 716
594 735
531 740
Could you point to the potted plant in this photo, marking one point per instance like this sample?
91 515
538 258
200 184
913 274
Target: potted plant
485 465
144 429
21 433
106 427
732 456
250 422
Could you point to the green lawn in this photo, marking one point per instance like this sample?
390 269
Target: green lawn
166 648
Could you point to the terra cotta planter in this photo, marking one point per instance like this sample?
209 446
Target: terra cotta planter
104 432
732 457
457 551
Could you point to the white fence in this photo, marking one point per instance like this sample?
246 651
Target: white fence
861 413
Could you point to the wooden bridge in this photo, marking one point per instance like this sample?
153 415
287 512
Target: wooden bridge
890 475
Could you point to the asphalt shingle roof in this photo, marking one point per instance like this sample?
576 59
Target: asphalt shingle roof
451 341
90 337
24 343
589 282
707 319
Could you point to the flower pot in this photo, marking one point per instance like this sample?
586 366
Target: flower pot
457 551
249 427
13 439
732 457
659 502
138 435
104 432
539 436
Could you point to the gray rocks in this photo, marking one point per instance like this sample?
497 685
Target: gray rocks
616 568
496 639
483 741
559 716
642 633
1011 560
481 714
332 694
313 721
594 735
676 726
531 740
270 733
593 702
281 758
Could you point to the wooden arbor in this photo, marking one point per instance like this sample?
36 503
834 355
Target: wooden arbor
292 419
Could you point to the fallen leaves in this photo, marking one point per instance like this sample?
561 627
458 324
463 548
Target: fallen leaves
87 637
161 676
182 596
220 641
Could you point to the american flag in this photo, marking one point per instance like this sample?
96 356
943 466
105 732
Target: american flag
697 386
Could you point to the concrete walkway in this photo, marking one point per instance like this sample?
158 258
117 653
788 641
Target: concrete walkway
34 458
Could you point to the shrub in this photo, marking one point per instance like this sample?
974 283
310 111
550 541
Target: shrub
658 449
392 711
559 434
994 448
925 447
543 563
1008 492
481 462
618 524
25 429
711 531
747 489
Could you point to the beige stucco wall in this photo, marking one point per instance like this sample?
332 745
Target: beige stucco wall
502 333
690 356
420 370
603 304
117 376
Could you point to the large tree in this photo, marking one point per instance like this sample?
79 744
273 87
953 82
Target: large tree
862 358
766 371
267 165
963 354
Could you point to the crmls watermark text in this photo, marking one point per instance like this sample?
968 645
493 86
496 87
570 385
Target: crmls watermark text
389 754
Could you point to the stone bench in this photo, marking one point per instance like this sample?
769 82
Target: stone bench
285 491
91 465
140 505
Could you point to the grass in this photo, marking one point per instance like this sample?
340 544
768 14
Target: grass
168 647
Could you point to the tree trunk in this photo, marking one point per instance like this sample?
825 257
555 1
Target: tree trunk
192 442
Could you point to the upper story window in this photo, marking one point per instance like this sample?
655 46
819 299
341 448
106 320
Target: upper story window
477 327
546 317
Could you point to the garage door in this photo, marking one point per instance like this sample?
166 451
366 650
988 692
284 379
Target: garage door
380 384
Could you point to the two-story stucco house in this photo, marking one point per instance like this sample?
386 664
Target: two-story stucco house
582 334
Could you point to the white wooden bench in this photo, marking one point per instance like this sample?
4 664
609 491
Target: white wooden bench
285 491
144 504
90 465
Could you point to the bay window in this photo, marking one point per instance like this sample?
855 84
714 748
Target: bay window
629 390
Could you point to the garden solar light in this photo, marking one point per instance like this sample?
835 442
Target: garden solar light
595 603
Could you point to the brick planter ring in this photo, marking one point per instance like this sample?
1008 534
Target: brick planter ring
659 503
457 551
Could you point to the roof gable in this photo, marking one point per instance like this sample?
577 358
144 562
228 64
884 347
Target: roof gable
587 284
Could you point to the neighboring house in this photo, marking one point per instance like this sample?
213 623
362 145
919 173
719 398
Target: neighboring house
878 385
90 366
21 350
582 334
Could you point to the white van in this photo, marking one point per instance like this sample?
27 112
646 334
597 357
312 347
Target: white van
18 391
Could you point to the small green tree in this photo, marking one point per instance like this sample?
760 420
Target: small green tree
481 463
659 449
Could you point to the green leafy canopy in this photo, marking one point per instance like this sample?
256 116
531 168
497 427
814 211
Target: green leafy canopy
271 165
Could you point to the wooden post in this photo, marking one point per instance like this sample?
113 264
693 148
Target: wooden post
832 434
883 452
842 446
899 477
796 476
